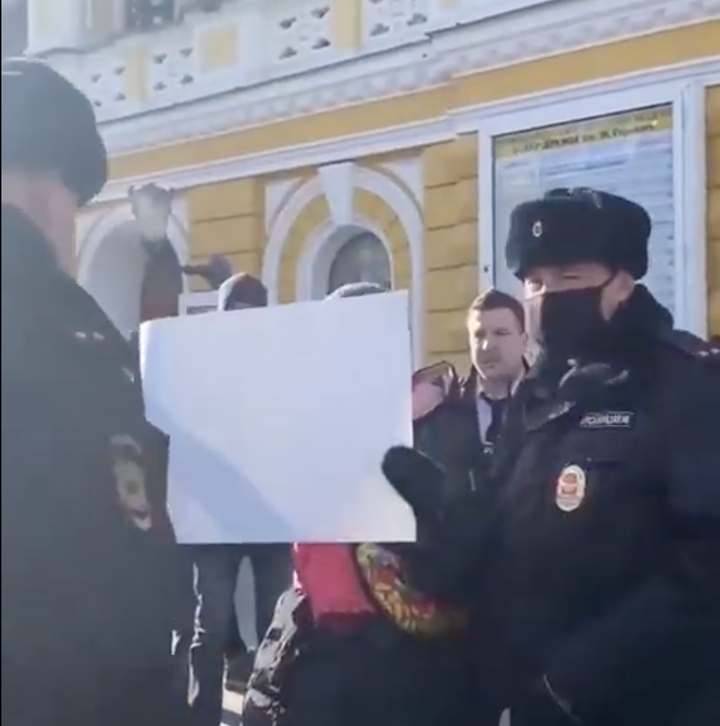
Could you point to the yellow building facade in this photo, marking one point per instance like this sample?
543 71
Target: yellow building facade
428 162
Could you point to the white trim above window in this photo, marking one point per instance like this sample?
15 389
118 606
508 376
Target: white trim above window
685 99
193 303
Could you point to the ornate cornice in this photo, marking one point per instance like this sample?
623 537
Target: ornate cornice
437 58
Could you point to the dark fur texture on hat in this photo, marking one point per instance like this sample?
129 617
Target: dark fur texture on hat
356 289
568 226
242 290
49 125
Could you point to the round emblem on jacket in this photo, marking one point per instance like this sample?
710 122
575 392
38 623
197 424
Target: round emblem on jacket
410 610
130 480
571 487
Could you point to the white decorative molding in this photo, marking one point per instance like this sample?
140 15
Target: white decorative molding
410 136
290 158
372 181
338 184
315 261
276 194
705 72
299 30
384 20
55 26
411 172
498 36
693 289
95 229
686 96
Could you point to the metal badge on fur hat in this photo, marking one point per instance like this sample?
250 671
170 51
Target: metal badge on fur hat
568 226
48 124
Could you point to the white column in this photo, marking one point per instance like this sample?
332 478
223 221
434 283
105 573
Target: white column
56 25
253 41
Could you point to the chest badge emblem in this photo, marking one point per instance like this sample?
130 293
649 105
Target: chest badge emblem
570 489
130 481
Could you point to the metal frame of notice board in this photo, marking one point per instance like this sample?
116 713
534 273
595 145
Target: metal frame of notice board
682 90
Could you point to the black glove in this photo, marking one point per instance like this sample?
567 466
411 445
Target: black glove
450 529
542 706
418 481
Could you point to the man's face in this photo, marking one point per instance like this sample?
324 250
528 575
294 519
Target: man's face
497 343
540 281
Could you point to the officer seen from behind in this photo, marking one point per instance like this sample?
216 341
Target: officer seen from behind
88 553
596 576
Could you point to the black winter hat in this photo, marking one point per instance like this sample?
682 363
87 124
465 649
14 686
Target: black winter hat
48 124
242 290
568 226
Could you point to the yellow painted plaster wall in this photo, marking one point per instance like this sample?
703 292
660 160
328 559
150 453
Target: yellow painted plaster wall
228 219
451 245
713 209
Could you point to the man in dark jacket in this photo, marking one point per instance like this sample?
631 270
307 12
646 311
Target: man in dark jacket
216 575
596 579
88 553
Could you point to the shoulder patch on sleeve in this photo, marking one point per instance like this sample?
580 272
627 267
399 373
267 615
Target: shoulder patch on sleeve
693 346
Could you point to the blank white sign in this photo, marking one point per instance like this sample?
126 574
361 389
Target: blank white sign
279 418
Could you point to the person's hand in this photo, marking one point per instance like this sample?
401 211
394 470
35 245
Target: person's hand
544 706
418 481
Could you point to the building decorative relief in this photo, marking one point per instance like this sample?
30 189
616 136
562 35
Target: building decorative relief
436 57
106 86
300 32
383 18
172 67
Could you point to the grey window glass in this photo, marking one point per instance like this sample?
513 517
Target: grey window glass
362 258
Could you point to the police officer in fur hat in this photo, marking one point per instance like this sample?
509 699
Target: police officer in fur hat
88 553
596 579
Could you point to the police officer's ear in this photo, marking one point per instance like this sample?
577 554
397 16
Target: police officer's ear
618 292
625 284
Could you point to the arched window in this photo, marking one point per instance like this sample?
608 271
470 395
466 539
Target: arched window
363 258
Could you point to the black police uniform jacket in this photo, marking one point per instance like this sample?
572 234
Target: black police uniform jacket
603 567
88 557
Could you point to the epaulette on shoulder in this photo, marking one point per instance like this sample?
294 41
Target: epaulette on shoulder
692 346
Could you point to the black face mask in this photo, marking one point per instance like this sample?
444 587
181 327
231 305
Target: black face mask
571 323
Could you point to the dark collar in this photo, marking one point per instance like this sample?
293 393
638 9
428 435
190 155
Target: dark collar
469 386
36 291
27 257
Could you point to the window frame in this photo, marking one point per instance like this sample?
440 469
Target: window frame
359 236
686 98
313 279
